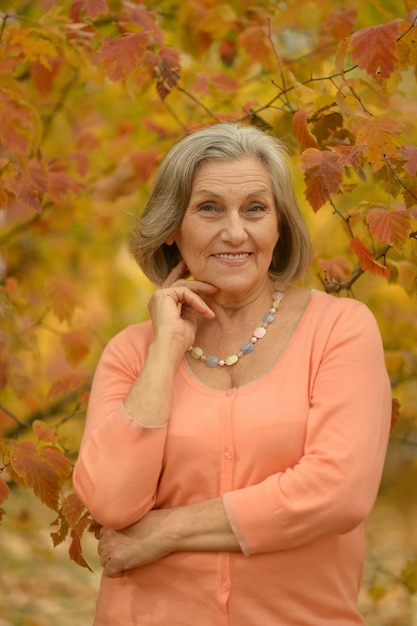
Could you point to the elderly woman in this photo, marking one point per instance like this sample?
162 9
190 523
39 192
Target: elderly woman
234 443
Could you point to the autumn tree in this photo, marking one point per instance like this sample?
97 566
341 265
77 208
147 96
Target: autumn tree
94 92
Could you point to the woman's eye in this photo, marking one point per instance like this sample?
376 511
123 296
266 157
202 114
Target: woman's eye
206 208
257 208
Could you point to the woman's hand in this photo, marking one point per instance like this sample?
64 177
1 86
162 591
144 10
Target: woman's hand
143 542
174 307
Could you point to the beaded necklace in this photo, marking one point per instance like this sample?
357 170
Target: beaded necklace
248 346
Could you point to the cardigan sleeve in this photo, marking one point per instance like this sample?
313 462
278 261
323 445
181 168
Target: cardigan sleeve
334 485
119 463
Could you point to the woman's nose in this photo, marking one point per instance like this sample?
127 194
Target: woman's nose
234 229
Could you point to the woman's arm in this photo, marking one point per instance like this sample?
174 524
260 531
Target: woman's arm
121 453
199 527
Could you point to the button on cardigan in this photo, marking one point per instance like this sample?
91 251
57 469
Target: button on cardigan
296 455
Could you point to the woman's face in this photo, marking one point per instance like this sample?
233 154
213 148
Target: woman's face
230 227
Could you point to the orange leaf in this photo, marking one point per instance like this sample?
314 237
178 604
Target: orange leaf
63 297
373 48
75 551
340 24
122 56
144 163
92 8
36 473
395 413
225 83
410 155
392 227
76 345
256 43
43 432
336 268
323 175
379 135
68 382
366 260
4 491
165 67
58 460
20 126
301 130
405 275
62 184
28 184
72 509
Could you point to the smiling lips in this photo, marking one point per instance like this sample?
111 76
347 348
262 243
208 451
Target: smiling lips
232 257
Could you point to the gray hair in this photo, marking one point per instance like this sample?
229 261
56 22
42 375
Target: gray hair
171 192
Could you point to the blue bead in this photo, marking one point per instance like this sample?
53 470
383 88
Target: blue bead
269 317
212 361
247 347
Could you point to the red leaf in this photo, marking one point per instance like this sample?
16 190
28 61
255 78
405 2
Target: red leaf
301 130
63 296
323 175
36 473
373 48
366 260
20 127
122 56
393 227
225 83
410 155
76 344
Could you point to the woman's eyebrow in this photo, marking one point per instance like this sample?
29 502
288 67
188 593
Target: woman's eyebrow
210 192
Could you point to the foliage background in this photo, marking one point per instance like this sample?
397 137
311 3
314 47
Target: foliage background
92 94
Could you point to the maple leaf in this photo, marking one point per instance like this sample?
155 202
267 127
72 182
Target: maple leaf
121 56
350 156
410 155
36 473
392 227
63 297
373 48
76 345
225 83
366 259
301 130
323 175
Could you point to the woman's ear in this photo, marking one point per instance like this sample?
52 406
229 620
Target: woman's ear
170 240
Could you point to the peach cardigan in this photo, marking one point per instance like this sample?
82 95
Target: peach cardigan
297 456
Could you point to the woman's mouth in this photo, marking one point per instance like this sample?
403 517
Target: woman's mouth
232 257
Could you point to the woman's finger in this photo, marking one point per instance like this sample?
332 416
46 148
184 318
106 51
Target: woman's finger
177 272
